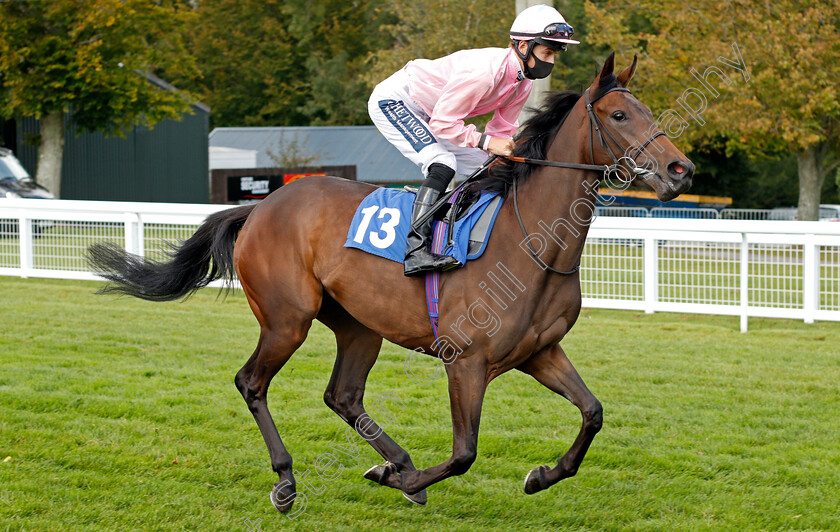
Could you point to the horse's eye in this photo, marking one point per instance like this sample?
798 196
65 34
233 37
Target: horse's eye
618 116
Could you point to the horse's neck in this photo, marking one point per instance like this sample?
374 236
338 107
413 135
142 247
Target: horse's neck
559 202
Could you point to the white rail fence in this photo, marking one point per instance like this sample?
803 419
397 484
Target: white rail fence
747 214
712 214
776 269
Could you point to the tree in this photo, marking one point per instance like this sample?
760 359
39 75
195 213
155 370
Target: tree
292 153
285 62
248 63
578 66
435 28
762 76
338 38
315 62
89 57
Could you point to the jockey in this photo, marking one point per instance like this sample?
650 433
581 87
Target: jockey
421 110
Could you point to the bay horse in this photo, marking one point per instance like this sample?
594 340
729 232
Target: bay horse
288 254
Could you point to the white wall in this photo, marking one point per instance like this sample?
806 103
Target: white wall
222 158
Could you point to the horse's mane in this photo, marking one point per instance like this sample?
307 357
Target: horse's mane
533 139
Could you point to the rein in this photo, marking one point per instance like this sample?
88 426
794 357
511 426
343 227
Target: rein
541 162
595 122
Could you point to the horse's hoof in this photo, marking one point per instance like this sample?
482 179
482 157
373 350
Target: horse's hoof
418 498
535 480
379 473
283 496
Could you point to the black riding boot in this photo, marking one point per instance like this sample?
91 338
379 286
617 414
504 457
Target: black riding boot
418 258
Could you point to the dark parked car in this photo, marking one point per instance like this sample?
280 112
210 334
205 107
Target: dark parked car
15 182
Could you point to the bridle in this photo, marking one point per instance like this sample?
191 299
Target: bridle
598 125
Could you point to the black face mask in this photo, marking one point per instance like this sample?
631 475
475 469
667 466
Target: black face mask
540 70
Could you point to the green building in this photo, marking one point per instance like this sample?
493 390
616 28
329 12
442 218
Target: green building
167 163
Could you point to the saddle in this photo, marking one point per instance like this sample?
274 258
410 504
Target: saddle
451 212
381 224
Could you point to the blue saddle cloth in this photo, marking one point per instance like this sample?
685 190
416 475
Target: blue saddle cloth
381 223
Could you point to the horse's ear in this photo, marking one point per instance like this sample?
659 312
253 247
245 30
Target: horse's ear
609 66
626 74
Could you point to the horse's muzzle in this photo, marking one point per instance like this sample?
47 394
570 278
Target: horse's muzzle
681 171
678 181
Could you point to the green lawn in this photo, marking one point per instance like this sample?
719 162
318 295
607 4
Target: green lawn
120 414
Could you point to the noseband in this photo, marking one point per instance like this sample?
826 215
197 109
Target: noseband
598 125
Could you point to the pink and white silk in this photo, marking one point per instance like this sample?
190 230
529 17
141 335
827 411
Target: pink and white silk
466 84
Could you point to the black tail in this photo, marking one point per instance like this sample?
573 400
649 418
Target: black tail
203 258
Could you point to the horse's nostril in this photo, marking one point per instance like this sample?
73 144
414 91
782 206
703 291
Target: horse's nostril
676 169
680 169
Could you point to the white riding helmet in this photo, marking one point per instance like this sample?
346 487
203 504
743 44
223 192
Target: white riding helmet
545 25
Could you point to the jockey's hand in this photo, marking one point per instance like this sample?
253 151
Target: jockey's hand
502 147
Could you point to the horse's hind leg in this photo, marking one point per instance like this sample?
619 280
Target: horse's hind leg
553 369
273 350
357 350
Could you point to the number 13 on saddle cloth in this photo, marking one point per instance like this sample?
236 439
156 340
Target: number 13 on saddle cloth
381 223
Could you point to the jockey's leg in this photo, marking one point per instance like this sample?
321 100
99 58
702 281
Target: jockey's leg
467 160
405 125
418 255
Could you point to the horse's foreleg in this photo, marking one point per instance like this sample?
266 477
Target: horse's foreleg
272 352
467 384
553 369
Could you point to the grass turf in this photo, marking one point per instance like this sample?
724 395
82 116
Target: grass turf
120 414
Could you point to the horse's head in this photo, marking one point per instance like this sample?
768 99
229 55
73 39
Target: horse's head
630 138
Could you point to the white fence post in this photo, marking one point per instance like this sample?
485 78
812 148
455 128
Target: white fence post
130 233
27 252
745 280
810 278
141 235
650 266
